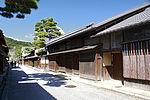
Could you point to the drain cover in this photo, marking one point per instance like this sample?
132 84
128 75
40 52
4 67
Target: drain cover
70 86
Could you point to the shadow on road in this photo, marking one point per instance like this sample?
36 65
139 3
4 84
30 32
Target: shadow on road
52 80
19 87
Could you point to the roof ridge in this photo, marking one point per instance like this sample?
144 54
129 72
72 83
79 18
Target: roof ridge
129 11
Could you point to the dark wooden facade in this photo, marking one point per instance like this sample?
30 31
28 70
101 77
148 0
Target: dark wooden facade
70 58
3 53
106 61
90 63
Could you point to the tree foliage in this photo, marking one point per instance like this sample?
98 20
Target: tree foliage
40 52
18 44
28 50
19 7
45 30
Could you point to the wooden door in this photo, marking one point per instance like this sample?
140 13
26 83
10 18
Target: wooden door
117 66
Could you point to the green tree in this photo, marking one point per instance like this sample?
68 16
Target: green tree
45 30
18 7
18 51
28 50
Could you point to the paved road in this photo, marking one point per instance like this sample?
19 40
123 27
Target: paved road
27 84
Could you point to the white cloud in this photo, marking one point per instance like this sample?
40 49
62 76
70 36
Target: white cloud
29 36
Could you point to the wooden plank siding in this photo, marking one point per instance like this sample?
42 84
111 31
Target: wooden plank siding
52 63
60 63
87 65
39 63
35 63
75 67
68 63
136 60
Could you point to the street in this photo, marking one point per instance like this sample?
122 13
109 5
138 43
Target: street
25 83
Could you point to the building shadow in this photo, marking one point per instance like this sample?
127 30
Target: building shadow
52 80
19 87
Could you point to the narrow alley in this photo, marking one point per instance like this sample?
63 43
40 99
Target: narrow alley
25 83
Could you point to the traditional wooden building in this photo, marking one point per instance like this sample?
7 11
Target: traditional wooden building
3 53
35 60
97 51
132 35
116 48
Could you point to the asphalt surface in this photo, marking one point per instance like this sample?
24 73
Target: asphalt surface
24 83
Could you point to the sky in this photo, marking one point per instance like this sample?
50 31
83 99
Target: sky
69 14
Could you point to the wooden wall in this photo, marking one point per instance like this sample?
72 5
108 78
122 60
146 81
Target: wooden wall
105 40
35 63
60 63
87 65
75 62
91 41
136 60
116 39
111 41
38 63
65 63
76 43
52 63
137 33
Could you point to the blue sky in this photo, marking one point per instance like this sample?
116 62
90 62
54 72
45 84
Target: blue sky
69 14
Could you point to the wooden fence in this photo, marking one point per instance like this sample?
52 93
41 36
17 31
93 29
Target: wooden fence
136 60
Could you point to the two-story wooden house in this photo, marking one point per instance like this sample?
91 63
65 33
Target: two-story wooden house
106 50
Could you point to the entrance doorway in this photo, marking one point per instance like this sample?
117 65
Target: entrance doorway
117 66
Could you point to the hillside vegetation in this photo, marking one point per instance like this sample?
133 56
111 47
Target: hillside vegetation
16 46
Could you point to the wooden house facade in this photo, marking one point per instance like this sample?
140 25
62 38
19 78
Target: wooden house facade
116 48
34 60
3 53
132 36
92 53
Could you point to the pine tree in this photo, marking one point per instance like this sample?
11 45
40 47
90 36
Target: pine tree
45 30
19 7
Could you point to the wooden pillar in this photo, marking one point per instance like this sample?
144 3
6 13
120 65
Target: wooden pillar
96 67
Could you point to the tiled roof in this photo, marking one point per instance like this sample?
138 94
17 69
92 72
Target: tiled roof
73 50
145 5
70 34
134 20
97 25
